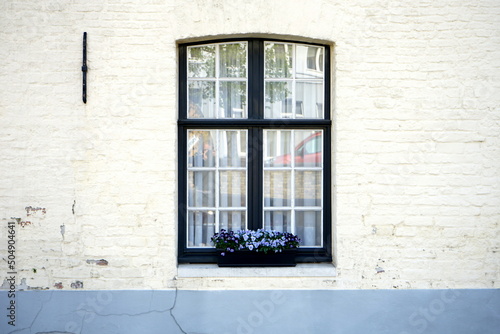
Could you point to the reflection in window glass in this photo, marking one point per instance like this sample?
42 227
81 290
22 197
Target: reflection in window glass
310 97
277 188
252 152
307 188
278 220
217 183
293 182
308 227
201 148
277 148
201 226
229 100
278 101
201 61
231 220
201 194
309 62
309 148
278 60
232 148
233 60
232 99
294 81
202 103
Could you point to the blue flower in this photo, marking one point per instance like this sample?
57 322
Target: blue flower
260 240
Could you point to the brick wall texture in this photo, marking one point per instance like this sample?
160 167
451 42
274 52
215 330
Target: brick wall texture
416 144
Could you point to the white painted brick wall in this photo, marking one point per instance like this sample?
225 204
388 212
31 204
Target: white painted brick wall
416 138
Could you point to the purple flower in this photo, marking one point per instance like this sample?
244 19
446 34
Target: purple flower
257 241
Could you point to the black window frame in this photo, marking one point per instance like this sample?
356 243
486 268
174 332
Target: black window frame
255 123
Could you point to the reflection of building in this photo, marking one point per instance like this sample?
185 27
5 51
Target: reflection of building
93 189
297 93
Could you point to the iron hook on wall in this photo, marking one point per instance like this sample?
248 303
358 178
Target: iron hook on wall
84 69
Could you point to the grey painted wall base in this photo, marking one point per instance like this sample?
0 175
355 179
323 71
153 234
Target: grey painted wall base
245 312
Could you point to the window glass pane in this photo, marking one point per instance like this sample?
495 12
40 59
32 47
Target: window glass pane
277 148
308 149
307 188
201 61
232 148
217 84
292 170
201 227
294 81
202 103
278 60
308 227
278 221
233 60
278 99
309 62
309 100
233 102
201 148
201 190
232 220
216 183
232 189
277 188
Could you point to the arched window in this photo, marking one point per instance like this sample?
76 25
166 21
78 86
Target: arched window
254 143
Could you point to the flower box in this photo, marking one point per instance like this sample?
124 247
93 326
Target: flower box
246 258
261 248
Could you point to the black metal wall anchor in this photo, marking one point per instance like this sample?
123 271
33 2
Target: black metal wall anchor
84 68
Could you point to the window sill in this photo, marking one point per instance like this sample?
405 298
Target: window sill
301 270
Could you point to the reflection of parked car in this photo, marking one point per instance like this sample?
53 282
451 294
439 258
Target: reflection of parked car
308 152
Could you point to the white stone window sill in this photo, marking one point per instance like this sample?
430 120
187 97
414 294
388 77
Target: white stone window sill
301 270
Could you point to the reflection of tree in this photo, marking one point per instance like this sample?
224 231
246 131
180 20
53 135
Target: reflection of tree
201 64
278 64
232 60
277 91
278 60
233 64
201 90
202 61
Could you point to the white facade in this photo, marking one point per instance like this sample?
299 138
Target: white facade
416 140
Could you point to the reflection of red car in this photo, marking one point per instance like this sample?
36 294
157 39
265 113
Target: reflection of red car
308 152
